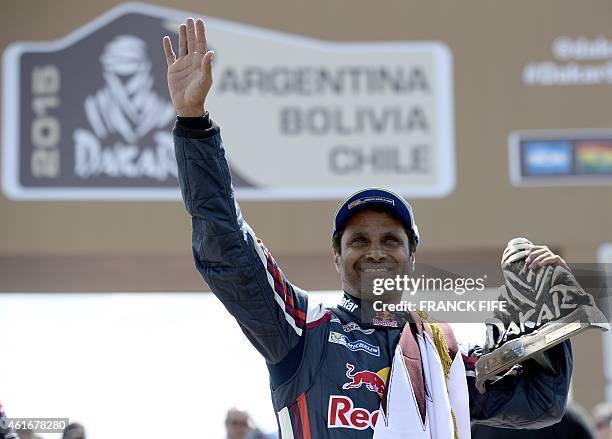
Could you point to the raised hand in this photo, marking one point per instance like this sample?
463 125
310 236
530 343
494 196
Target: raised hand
189 75
535 255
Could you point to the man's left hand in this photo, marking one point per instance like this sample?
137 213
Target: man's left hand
535 255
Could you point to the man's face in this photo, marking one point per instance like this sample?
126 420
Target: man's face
237 424
374 244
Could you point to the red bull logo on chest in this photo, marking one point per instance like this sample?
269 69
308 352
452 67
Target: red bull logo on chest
372 381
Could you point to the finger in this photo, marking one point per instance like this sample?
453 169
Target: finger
200 36
170 55
207 64
537 251
540 246
182 40
538 262
551 260
191 36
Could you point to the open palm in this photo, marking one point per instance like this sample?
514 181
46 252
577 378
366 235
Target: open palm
189 75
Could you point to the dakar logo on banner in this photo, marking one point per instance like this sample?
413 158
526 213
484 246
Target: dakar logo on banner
126 107
89 117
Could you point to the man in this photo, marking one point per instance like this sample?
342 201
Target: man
74 430
237 424
602 415
328 370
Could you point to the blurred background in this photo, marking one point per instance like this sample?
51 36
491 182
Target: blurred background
492 117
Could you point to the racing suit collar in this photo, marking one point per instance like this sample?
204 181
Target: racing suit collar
351 305
352 308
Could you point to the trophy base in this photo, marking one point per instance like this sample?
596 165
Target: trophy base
533 346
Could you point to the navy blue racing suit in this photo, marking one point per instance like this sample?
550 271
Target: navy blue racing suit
314 353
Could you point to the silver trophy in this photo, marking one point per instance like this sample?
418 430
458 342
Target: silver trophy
544 307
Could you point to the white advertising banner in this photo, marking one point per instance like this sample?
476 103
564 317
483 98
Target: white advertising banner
88 116
307 118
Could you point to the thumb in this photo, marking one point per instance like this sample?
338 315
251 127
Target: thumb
207 63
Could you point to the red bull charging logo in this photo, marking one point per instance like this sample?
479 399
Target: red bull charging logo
373 381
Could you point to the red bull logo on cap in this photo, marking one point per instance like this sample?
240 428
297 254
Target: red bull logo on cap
385 318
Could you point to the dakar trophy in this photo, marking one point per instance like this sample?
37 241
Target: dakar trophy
544 307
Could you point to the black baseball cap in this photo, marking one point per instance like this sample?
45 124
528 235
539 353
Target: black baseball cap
369 197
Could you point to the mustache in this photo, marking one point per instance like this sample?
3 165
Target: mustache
385 265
